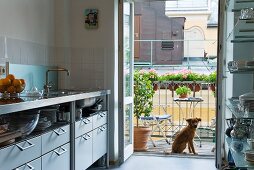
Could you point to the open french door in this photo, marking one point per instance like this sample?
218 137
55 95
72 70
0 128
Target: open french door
126 62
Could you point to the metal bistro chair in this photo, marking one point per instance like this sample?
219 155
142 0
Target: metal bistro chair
158 121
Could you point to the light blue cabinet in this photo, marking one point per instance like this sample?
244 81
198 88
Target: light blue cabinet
83 126
58 158
20 153
99 142
83 151
55 138
33 165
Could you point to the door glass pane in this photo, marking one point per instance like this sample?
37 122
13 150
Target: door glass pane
127 50
127 125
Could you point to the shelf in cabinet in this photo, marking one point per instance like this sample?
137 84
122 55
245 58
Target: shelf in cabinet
242 31
238 157
245 69
237 5
232 105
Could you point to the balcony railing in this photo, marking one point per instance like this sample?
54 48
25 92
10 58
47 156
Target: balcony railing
163 103
175 53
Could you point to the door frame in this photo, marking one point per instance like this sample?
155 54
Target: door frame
124 153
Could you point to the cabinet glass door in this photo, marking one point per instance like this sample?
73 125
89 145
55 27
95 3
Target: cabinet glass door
126 79
235 79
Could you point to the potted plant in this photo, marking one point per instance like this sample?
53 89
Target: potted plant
152 75
143 105
170 77
211 79
183 91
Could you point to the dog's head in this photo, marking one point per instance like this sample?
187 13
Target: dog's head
193 122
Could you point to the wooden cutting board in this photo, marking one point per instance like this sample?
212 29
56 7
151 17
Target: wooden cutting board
4 137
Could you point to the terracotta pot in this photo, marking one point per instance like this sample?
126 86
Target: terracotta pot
155 87
141 136
212 87
183 96
173 88
196 87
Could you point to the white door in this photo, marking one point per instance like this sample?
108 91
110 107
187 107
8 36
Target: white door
125 79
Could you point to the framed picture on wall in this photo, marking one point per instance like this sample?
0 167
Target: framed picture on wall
91 18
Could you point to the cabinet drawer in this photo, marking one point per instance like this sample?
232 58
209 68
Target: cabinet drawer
20 153
83 126
55 138
99 142
33 165
99 119
83 151
59 158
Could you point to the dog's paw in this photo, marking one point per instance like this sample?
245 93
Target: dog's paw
195 153
167 152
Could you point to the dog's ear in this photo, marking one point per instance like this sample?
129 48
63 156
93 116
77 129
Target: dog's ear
188 120
199 119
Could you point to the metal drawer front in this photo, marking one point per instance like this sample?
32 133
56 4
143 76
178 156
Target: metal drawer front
55 138
99 119
99 142
83 151
58 159
83 126
20 153
33 165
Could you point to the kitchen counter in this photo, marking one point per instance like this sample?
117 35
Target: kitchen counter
15 104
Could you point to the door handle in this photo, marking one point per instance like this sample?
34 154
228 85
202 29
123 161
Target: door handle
27 147
60 153
60 133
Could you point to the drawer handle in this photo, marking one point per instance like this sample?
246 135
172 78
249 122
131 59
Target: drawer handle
30 166
102 114
24 148
86 121
60 153
60 133
102 129
86 136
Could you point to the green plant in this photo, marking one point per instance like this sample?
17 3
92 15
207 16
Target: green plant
183 90
151 74
143 94
211 78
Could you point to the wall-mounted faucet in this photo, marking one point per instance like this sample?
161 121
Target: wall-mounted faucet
47 86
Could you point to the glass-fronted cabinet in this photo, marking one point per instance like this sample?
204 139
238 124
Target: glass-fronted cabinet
235 98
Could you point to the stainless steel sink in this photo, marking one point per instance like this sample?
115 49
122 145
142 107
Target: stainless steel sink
62 93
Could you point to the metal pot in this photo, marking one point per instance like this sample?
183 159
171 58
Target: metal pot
86 102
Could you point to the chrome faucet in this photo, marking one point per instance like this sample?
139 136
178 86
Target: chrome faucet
47 86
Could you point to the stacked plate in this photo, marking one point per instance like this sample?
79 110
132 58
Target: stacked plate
43 124
249 155
247 101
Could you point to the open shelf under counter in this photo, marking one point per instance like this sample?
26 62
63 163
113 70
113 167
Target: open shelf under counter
37 133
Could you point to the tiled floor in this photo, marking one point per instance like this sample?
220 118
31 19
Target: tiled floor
153 162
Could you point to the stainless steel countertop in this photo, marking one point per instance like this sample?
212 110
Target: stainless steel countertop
21 103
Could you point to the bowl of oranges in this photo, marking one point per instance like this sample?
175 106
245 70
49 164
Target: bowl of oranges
11 85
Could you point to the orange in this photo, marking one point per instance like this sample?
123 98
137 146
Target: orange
16 82
10 76
11 89
6 81
22 81
2 88
19 88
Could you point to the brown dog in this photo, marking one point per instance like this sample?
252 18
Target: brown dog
185 136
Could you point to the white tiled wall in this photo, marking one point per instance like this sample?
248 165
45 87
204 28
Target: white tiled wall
86 65
25 52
